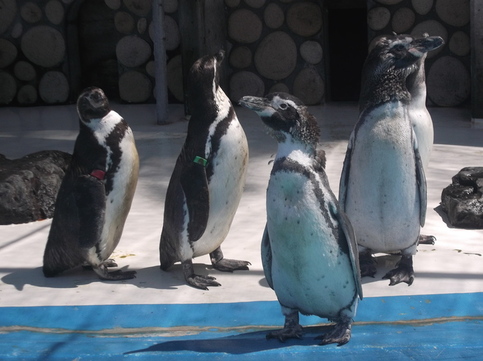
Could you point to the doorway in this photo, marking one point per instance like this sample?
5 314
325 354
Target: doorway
346 45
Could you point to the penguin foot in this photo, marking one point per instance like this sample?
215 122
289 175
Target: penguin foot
367 264
108 263
117 275
286 333
341 334
403 273
227 265
201 282
423 239
291 328
197 281
230 265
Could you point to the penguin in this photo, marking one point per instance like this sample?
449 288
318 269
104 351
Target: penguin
95 196
208 178
309 250
421 119
383 185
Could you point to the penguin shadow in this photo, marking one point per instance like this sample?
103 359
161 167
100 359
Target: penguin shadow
34 277
243 343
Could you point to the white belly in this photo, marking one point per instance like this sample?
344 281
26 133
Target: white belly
309 272
423 128
382 199
119 200
225 188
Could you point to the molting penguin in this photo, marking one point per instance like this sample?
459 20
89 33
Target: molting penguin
383 186
309 251
208 179
96 193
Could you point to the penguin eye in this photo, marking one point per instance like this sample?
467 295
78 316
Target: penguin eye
283 106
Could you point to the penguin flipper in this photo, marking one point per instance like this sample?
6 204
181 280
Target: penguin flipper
344 177
90 200
351 241
267 257
420 181
194 183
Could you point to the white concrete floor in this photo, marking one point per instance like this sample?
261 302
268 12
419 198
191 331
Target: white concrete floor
452 265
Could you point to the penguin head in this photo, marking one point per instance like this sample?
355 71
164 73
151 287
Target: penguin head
388 65
286 117
204 81
92 104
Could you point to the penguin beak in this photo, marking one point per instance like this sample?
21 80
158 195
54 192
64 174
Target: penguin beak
423 45
261 106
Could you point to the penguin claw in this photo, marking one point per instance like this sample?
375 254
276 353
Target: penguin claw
286 333
403 273
230 265
117 275
201 282
423 239
341 334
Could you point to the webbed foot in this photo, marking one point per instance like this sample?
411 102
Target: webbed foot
340 334
117 275
227 265
291 328
424 239
367 264
404 272
197 281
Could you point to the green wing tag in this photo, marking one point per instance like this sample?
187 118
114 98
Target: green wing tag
201 161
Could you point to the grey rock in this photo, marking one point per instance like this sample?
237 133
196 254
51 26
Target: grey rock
29 186
463 199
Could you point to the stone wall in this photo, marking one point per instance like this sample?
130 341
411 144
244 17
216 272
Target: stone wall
447 68
276 46
38 67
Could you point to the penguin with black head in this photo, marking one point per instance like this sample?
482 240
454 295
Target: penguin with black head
383 185
309 250
208 179
95 196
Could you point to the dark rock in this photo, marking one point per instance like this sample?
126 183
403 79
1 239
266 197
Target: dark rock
463 199
29 186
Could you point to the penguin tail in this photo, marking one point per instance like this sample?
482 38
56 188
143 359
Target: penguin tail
57 261
167 253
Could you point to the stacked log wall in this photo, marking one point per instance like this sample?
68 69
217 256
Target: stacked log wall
35 67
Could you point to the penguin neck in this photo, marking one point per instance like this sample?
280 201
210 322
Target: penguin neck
416 83
295 150
391 86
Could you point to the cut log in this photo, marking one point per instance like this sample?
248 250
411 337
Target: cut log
448 82
309 87
454 12
8 88
244 26
54 12
276 56
44 46
134 87
304 18
273 16
30 12
54 87
245 83
132 51
8 53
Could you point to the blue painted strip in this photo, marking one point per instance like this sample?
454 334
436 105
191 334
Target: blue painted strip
92 318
